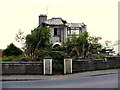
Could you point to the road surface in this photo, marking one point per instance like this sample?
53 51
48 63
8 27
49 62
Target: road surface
103 81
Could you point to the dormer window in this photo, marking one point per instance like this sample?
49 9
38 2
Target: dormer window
56 32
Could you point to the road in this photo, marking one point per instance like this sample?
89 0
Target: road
102 81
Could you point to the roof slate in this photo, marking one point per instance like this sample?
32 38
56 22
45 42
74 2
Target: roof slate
54 21
60 21
75 24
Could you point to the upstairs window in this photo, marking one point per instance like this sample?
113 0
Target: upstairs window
56 31
72 30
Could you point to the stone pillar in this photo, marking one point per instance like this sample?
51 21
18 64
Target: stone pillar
47 65
67 65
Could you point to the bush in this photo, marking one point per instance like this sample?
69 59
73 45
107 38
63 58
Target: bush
0 59
102 56
57 67
11 58
12 50
118 54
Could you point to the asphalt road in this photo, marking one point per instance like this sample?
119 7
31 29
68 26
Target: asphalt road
103 81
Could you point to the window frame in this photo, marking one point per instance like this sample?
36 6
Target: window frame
72 29
56 32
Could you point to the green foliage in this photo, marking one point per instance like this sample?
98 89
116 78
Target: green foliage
57 66
102 56
94 46
37 41
118 54
11 59
82 46
38 45
12 50
0 59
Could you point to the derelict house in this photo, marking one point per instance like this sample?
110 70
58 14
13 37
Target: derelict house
60 29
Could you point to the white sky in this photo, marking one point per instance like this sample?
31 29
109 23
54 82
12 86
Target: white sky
100 16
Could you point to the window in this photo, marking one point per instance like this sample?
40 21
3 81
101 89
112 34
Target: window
72 30
56 31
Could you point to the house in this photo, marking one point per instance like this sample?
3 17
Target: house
60 29
117 47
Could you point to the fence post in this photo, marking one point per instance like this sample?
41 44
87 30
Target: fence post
47 65
67 65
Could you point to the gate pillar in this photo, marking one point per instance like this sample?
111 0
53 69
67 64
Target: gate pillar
67 65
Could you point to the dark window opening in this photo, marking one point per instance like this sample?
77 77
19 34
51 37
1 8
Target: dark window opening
56 31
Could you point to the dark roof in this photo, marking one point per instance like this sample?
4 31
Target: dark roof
75 25
60 21
55 21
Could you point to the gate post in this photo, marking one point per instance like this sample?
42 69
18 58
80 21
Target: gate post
47 65
67 65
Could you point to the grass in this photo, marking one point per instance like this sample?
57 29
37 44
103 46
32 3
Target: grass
0 59
10 59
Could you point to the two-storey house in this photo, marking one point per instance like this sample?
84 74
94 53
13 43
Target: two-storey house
60 29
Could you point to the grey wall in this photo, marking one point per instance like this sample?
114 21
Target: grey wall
96 64
53 38
63 35
12 68
42 18
22 68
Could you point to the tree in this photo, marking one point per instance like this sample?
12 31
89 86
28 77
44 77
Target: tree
82 45
94 46
37 41
76 45
20 38
12 50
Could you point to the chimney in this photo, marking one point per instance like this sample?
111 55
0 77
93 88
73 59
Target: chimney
42 18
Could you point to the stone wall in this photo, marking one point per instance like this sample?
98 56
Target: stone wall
32 68
27 68
96 64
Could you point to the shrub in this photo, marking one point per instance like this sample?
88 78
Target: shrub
0 59
102 56
57 66
118 54
11 58
12 50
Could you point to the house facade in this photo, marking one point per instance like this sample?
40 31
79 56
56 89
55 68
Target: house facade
117 47
60 29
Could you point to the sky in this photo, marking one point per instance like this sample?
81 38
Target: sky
100 16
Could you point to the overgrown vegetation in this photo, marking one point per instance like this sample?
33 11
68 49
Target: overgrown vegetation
36 46
83 46
0 59
37 43
12 50
11 58
102 55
